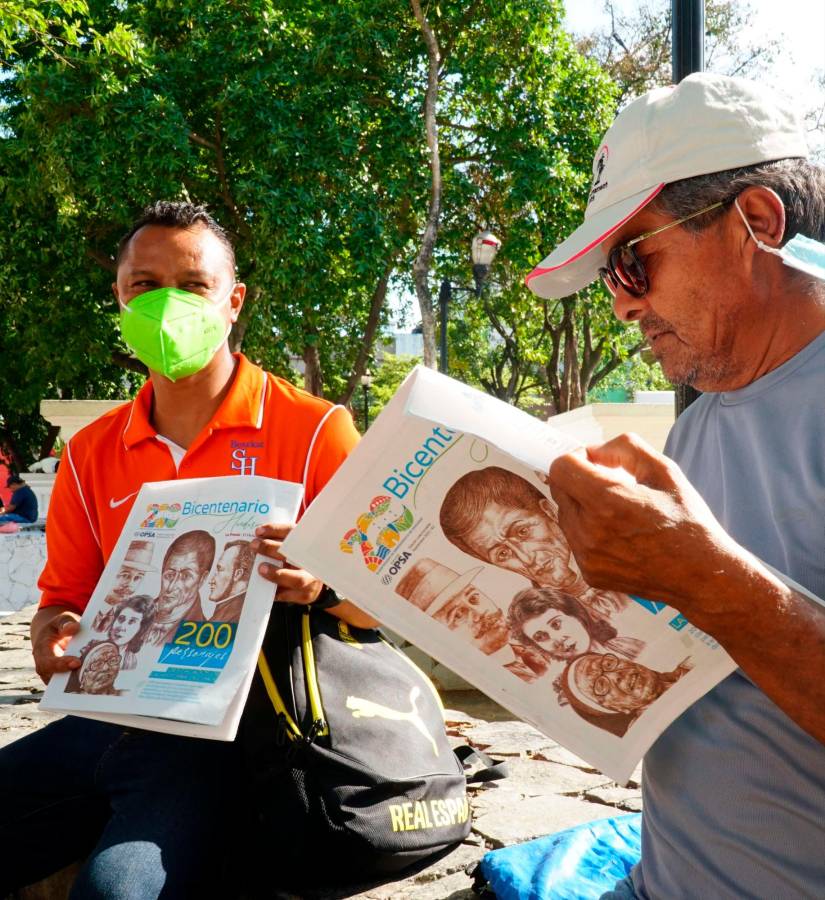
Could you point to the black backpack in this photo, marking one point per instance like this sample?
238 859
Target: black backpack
345 736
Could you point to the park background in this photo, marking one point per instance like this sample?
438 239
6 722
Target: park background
304 126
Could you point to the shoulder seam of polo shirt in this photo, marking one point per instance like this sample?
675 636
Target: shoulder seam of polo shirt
265 426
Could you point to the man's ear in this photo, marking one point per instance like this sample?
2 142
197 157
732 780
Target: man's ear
236 299
548 509
765 212
115 292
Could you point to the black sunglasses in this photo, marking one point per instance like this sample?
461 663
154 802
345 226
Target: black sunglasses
625 270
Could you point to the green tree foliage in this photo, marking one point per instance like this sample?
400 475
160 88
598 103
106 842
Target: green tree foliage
636 48
51 25
520 113
299 125
553 353
386 380
286 119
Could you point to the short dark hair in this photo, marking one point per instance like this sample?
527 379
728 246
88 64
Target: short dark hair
532 602
244 559
200 543
14 478
176 214
799 183
144 605
465 502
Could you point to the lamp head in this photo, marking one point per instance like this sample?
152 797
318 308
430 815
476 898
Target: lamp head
484 248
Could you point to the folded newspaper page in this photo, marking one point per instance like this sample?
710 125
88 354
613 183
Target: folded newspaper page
440 525
171 635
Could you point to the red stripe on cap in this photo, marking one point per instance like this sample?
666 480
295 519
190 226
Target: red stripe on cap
539 271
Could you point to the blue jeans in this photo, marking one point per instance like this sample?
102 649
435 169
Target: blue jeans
153 815
13 517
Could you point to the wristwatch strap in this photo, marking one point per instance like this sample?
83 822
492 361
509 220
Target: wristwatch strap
327 599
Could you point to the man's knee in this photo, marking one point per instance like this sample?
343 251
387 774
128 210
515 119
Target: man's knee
132 870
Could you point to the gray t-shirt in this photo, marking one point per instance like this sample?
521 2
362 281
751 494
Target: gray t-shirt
734 791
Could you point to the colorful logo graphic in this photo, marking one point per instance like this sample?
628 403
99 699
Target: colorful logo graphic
385 525
161 515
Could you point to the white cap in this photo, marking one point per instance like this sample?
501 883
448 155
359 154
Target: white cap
707 123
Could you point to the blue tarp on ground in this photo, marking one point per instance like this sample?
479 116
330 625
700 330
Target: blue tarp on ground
581 863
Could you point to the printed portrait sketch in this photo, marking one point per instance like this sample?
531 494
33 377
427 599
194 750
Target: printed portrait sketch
103 660
137 562
453 600
229 581
377 531
131 622
100 666
560 627
611 693
501 518
185 568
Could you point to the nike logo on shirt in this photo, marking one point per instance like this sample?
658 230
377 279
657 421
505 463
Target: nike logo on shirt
113 504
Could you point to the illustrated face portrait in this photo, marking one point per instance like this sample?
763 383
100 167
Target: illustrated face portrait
474 613
125 626
100 668
616 684
181 580
222 582
525 541
127 582
559 634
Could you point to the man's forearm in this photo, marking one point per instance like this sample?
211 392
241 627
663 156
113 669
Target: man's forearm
775 634
353 615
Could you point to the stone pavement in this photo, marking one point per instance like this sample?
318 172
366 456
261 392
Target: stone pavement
548 790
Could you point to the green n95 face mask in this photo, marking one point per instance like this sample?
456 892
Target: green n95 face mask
172 331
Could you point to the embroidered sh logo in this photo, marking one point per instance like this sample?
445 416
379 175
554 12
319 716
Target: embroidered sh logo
367 709
243 464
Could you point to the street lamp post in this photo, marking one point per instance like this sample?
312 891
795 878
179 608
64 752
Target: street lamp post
688 48
366 381
483 251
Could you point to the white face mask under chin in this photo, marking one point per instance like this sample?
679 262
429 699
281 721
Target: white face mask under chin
801 253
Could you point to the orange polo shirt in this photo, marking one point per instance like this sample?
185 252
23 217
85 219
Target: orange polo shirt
264 426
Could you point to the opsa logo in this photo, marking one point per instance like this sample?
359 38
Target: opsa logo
386 526
161 515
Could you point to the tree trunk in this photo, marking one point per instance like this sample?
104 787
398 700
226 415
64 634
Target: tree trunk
379 295
238 332
49 441
313 378
421 266
13 454
573 393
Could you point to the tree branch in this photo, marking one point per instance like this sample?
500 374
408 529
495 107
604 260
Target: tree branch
128 362
379 296
469 12
220 162
197 139
421 266
102 259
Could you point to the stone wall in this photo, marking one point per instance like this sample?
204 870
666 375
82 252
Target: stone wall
22 557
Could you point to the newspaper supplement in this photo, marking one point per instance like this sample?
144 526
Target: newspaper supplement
440 525
170 638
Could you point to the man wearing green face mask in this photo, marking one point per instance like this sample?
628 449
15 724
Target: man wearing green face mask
140 807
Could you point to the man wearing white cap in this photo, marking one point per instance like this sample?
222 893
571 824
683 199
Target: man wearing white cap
705 221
